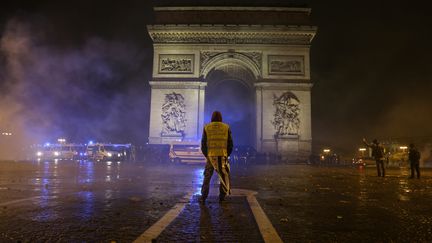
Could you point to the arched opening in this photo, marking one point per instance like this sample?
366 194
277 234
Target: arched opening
233 96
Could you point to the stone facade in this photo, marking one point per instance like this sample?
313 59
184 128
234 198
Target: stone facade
272 60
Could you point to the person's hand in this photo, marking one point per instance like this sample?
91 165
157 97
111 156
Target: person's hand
364 140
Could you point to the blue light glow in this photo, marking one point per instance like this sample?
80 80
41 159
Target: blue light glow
198 180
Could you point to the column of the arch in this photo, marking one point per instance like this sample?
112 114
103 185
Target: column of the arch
201 105
305 143
154 131
258 118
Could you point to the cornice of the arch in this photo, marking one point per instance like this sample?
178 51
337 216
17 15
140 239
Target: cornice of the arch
212 61
232 34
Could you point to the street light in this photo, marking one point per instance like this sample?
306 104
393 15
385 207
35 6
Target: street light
326 150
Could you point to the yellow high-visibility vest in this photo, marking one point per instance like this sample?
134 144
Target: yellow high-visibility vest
217 138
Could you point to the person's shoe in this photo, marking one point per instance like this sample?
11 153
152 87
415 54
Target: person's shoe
221 198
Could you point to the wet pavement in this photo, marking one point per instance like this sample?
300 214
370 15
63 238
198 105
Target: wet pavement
213 222
83 201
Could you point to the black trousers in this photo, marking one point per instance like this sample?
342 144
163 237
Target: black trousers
380 167
222 168
415 166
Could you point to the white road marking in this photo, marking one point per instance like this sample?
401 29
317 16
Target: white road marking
266 228
26 199
156 229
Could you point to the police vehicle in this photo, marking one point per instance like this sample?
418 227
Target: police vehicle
60 152
110 152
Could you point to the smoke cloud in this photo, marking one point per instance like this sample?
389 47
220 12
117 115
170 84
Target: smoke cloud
95 91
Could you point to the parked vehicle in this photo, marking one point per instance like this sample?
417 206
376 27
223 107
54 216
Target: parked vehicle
60 152
116 152
186 153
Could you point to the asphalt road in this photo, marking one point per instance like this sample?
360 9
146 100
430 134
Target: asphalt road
83 201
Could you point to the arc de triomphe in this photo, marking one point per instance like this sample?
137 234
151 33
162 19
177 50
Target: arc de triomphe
265 49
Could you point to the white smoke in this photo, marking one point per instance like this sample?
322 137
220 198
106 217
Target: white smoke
49 91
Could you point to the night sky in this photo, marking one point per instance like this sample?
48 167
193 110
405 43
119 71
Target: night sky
69 67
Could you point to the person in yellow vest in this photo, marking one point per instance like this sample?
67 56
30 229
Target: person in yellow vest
216 145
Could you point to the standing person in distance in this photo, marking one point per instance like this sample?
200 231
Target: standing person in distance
378 154
414 158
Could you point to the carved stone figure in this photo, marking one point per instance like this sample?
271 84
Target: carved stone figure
286 117
256 57
206 56
176 65
287 66
173 115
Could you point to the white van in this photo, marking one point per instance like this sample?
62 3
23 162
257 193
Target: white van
186 153
116 152
59 151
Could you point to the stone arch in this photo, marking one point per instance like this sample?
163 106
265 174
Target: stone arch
230 58
231 71
235 79
226 60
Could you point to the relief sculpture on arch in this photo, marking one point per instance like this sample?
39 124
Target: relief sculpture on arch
286 119
173 115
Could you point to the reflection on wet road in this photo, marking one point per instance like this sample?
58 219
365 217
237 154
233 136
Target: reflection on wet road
90 201
109 201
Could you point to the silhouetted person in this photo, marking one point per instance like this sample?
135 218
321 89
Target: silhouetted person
378 154
414 158
216 145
